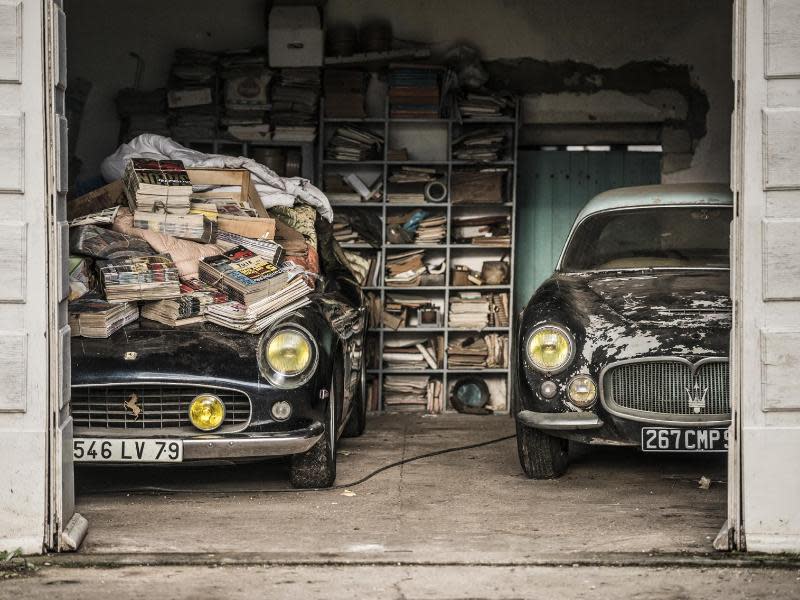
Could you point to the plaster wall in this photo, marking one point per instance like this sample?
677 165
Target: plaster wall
603 33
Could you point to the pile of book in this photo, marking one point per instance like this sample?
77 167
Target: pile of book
405 268
417 353
412 393
476 352
345 93
188 308
431 230
486 106
414 91
480 145
491 230
295 102
425 228
244 275
469 310
94 317
499 310
140 278
354 144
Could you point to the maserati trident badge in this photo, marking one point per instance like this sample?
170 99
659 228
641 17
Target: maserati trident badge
697 401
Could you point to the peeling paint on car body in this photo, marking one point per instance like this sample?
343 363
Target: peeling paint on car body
624 314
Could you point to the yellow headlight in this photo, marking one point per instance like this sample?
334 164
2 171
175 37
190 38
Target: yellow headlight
549 349
289 352
206 412
582 391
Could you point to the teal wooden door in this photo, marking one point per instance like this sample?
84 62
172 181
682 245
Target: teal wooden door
553 186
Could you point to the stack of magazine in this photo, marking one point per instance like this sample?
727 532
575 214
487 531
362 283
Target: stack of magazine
140 278
94 317
245 276
269 249
188 308
157 186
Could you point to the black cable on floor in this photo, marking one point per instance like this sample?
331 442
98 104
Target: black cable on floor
153 490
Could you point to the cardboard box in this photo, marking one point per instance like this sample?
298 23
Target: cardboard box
229 177
295 37
112 194
252 227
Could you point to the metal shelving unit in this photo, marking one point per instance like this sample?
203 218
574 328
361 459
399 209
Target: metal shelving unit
385 126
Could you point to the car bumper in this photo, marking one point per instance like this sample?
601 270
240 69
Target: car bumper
232 446
559 421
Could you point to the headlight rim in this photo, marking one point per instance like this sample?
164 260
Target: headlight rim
570 339
281 380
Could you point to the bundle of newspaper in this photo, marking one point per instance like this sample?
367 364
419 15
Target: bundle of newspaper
260 314
193 227
188 308
469 310
245 276
157 186
140 278
94 317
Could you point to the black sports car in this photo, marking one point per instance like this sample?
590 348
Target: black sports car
627 342
152 393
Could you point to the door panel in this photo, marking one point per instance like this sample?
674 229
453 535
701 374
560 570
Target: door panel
553 187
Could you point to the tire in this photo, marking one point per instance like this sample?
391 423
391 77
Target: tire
316 468
357 422
541 455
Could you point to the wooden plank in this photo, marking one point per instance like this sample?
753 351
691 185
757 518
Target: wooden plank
10 41
781 131
13 249
12 133
780 361
781 239
782 38
13 375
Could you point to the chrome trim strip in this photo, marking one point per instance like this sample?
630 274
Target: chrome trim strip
559 421
634 415
175 384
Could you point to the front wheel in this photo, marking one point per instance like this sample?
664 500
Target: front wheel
541 455
357 422
316 468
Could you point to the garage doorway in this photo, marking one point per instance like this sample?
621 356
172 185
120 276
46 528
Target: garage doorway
554 185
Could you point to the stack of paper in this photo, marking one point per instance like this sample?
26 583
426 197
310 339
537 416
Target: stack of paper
405 268
469 310
431 230
412 393
499 310
355 144
414 91
416 353
187 226
475 352
272 251
186 309
93 317
480 145
478 106
491 230
140 278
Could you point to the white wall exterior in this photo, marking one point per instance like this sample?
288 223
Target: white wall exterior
23 279
606 33
767 274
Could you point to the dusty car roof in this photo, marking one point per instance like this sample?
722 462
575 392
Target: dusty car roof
658 195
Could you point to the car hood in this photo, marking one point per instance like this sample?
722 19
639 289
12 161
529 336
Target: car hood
666 299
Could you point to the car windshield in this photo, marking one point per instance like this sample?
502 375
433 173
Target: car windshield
680 237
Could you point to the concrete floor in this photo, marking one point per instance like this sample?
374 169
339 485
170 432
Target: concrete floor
466 524
474 505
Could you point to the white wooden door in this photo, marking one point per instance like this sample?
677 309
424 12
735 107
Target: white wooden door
765 484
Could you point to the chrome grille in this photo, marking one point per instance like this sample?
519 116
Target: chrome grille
668 389
162 406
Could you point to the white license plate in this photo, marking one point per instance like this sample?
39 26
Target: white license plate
127 450
674 439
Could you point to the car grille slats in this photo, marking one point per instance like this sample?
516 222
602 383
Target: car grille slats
668 389
161 406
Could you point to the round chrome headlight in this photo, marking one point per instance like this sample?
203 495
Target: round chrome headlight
550 348
582 391
287 356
